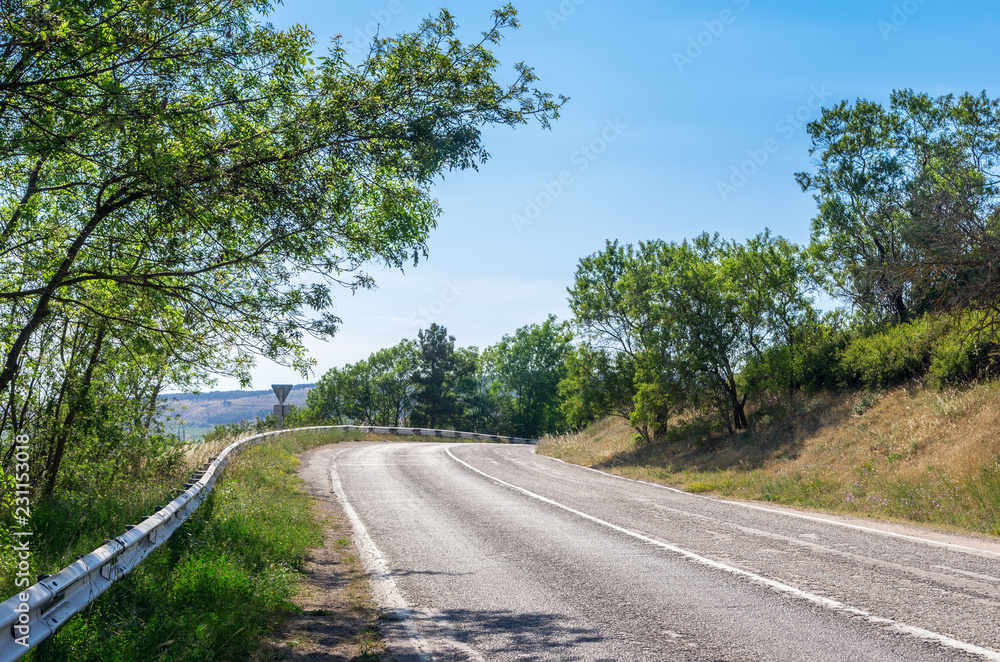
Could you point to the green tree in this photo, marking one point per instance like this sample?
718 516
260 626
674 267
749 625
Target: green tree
772 279
860 187
189 152
601 373
328 403
596 384
953 224
720 305
375 391
479 409
183 188
680 324
436 403
907 201
524 372
391 385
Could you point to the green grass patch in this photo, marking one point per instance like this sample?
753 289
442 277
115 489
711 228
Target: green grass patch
215 589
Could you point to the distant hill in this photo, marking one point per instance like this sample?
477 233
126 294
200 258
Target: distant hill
210 409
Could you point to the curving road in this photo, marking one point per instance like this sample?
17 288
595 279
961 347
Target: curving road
490 552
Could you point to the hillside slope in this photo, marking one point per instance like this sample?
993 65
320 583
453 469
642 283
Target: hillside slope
912 453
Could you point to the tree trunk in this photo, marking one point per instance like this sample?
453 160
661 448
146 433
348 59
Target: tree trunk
53 469
739 413
899 306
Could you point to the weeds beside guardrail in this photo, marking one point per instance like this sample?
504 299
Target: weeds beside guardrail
36 613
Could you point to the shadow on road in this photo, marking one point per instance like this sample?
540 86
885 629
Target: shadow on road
528 635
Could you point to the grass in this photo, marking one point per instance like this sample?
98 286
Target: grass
912 454
217 587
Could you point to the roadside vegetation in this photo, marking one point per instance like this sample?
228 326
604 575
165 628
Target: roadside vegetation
219 587
186 188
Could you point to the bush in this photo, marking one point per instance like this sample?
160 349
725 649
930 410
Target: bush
966 351
812 364
890 357
942 349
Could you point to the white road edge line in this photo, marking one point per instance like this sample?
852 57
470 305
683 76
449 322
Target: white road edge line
383 586
771 583
926 541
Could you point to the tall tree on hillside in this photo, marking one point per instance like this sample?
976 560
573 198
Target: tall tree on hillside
718 306
860 186
953 228
908 195
697 314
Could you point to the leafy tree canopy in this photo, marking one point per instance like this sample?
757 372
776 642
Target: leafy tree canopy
187 155
907 202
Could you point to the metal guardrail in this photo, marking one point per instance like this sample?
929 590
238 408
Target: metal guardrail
433 433
54 600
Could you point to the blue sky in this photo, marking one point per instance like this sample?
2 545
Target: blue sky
669 101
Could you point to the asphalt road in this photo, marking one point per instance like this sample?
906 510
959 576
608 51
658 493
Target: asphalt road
490 552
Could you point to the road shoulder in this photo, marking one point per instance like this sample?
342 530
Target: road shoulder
339 619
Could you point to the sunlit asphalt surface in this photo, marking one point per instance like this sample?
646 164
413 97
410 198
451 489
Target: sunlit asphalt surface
490 552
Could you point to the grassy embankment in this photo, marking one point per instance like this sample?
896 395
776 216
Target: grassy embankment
223 583
911 454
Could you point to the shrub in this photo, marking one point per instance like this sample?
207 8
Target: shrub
890 357
965 351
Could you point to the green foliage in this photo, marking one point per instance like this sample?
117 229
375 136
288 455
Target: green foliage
967 350
472 390
171 169
907 218
597 383
229 164
891 356
376 391
817 361
523 373
686 320
940 349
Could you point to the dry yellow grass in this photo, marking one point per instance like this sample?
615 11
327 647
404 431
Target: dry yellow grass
912 453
